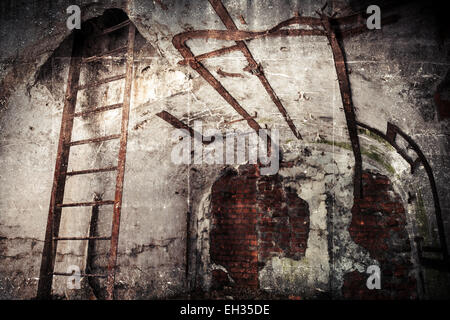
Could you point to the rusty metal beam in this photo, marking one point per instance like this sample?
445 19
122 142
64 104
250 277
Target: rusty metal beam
308 21
85 204
175 122
346 96
93 140
92 275
114 28
211 54
277 31
88 171
80 238
97 110
103 81
238 35
104 55
222 73
178 42
166 116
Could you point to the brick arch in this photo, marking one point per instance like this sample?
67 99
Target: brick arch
254 218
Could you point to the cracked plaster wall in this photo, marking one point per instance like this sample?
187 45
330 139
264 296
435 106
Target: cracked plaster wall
393 73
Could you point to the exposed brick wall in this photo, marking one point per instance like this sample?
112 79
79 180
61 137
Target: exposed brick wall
378 225
284 220
234 242
253 219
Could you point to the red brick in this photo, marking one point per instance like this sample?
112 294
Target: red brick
374 233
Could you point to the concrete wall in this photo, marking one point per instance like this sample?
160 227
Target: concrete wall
165 242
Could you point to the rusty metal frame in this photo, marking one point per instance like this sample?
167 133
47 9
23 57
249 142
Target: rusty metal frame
253 65
334 29
324 26
179 41
390 136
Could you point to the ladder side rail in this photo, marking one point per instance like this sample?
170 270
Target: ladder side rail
62 160
121 164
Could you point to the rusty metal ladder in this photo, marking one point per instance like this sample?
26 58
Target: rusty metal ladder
62 160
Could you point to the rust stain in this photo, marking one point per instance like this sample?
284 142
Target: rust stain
210 54
228 74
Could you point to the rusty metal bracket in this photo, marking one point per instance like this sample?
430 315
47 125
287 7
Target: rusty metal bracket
346 96
176 123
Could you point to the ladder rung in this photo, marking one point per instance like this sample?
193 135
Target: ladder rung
105 54
80 238
96 110
114 28
74 173
85 204
100 139
93 275
106 80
